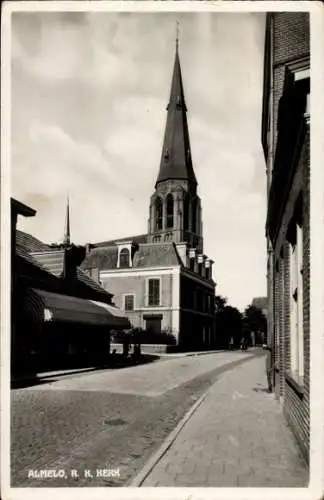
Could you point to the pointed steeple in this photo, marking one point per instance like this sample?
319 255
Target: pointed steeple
67 239
176 160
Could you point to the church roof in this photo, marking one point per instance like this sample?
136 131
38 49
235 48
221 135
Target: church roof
176 162
147 255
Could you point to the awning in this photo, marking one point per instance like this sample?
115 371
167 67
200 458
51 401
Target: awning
63 308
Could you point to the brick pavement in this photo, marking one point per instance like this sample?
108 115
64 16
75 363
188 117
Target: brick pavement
81 423
236 437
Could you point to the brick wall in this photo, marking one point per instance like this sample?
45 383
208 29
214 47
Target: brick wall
295 405
306 281
290 43
291 36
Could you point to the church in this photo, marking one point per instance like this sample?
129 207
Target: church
163 279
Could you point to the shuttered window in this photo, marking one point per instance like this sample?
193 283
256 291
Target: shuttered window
154 292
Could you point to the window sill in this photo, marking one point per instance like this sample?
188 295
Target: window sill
296 383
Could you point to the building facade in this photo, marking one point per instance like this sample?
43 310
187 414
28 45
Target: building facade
59 315
163 279
286 142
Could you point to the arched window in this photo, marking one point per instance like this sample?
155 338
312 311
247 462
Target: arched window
124 258
186 213
158 214
169 205
194 215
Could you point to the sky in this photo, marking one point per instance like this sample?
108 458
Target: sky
89 92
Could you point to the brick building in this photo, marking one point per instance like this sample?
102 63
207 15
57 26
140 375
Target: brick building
163 279
285 140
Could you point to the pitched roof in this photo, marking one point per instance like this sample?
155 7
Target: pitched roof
140 238
31 243
176 162
52 260
164 254
54 263
147 255
101 258
23 253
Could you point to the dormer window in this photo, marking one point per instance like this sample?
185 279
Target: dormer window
166 154
124 258
178 102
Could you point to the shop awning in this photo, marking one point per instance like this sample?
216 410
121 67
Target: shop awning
63 308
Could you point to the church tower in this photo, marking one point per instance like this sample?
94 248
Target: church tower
175 207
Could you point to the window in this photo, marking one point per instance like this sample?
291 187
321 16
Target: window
296 302
169 205
129 302
124 258
186 213
154 292
194 215
158 214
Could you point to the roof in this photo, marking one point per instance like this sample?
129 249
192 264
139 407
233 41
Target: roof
75 309
21 209
31 243
176 162
147 255
140 238
28 267
51 260
23 253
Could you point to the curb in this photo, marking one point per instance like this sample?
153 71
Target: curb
150 464
138 480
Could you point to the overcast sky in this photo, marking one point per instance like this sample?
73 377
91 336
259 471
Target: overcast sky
89 92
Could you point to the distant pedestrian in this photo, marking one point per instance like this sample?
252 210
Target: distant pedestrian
269 366
231 343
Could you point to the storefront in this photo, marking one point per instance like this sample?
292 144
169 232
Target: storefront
58 330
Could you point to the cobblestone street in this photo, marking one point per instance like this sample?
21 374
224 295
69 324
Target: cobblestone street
112 419
236 437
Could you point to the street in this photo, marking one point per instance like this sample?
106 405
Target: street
109 421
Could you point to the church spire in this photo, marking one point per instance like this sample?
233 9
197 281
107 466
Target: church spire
176 160
177 37
67 239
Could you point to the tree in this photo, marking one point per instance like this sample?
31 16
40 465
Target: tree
220 303
255 323
228 323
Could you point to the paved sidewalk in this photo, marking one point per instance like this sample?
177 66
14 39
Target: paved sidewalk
236 437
